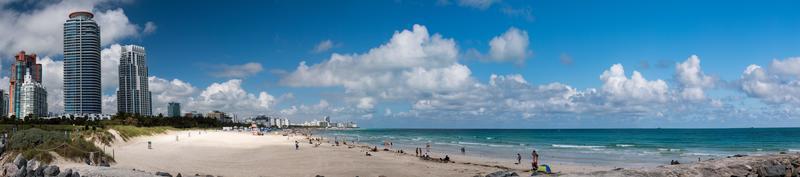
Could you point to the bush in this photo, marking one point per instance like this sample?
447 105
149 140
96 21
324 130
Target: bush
37 144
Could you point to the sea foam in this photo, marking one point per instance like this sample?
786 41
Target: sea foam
576 146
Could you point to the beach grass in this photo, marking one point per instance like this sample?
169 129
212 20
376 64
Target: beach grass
128 132
38 144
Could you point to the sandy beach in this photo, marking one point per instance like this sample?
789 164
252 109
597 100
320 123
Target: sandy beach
221 153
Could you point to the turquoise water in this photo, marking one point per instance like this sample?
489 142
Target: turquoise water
617 147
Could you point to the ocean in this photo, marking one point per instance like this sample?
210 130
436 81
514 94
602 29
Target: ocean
608 147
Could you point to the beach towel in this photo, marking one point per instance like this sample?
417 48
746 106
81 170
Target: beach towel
544 168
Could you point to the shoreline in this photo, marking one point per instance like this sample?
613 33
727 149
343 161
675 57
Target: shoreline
228 153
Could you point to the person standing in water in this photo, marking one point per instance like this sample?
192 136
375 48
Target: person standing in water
463 151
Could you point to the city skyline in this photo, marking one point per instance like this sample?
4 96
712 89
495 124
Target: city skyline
513 64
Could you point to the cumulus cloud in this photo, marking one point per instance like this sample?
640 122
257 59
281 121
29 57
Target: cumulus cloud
236 71
412 61
164 91
366 103
115 26
306 112
635 88
423 70
53 81
40 30
510 46
692 80
109 67
323 46
228 96
772 87
787 67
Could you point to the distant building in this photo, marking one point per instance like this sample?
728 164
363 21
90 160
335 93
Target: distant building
174 109
193 114
216 115
133 95
3 103
82 88
23 63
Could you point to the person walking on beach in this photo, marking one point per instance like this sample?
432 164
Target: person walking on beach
296 145
428 147
463 151
519 158
534 160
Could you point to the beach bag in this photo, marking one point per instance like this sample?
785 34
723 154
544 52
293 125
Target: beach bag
544 168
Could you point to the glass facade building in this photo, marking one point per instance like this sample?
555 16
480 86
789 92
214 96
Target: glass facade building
82 89
23 64
133 95
174 109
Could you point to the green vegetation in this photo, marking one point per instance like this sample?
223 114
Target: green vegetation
37 143
74 138
128 132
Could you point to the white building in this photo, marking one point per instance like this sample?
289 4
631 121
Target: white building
33 98
133 95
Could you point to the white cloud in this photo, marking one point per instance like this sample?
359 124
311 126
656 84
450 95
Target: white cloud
454 77
109 104
510 46
226 96
237 71
323 46
692 79
787 67
53 81
229 96
478 4
411 62
366 103
164 91
303 112
150 27
114 26
423 70
770 87
109 76
636 88
40 29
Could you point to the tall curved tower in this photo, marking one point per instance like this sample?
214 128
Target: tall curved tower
82 94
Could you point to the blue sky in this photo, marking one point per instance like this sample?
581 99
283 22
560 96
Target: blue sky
243 57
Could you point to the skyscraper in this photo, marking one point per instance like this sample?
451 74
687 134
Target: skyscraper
23 63
3 103
82 64
33 98
133 95
174 109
